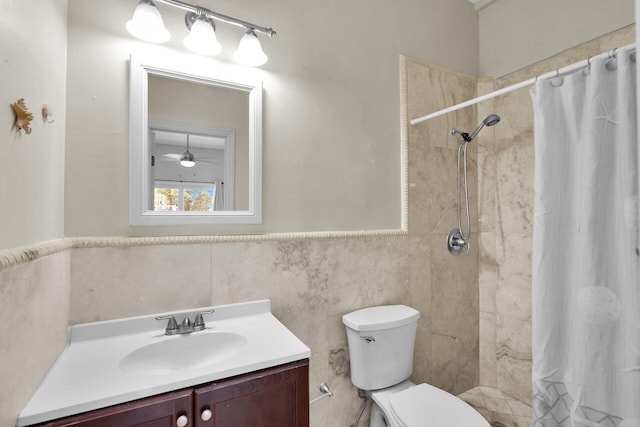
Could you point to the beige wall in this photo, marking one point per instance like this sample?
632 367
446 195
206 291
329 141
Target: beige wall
33 67
506 223
330 98
516 33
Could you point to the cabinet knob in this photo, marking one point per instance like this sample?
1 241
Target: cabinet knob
206 415
182 421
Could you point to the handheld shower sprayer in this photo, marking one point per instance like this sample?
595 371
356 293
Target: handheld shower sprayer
457 239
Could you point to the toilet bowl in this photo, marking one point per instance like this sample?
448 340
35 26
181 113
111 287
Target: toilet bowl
381 342
411 405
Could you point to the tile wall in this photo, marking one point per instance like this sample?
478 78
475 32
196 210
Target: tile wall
34 314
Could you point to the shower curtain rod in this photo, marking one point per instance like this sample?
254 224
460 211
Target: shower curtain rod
529 82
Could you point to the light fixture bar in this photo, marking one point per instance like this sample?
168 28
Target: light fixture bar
220 17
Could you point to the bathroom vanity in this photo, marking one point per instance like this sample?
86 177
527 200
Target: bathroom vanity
275 397
243 369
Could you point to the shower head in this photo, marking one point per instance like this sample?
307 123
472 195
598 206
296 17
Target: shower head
490 120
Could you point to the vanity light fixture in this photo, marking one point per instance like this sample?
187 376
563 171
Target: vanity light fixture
147 25
202 35
250 51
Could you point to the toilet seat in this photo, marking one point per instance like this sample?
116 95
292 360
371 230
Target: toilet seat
425 405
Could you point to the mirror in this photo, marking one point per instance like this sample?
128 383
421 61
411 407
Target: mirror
195 145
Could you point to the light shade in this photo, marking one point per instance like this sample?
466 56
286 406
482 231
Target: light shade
187 160
202 37
147 23
250 51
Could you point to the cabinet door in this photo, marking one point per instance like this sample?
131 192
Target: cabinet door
275 397
159 411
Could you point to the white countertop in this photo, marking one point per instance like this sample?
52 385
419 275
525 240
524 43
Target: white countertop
88 376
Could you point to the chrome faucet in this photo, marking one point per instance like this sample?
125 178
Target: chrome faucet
186 327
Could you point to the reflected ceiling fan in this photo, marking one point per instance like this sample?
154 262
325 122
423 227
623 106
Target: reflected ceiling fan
187 159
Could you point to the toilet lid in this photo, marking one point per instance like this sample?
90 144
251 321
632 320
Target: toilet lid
424 404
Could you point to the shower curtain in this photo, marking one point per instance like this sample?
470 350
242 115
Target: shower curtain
586 283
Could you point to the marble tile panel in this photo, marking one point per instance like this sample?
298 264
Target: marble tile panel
516 125
523 422
442 178
513 336
514 302
292 274
514 255
34 315
110 283
492 392
419 204
487 355
432 88
487 187
520 409
487 279
374 279
454 292
515 193
514 377
454 363
495 405
488 272
488 327
514 357
441 196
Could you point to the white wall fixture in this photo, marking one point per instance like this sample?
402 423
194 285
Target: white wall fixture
147 24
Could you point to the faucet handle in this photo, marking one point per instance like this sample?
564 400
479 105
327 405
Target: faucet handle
186 323
172 326
198 324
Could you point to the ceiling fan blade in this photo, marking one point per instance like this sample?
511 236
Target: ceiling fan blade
173 155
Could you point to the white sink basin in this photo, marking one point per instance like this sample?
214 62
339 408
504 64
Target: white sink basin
116 361
183 352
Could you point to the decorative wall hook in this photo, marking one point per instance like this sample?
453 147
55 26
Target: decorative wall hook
23 116
47 114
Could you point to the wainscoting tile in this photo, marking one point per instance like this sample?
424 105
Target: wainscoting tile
115 282
454 363
34 315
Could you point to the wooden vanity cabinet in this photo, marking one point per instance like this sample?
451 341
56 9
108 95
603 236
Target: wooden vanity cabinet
276 397
157 411
273 397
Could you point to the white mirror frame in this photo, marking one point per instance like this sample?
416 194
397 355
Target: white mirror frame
139 149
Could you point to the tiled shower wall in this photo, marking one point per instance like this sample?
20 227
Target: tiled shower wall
506 196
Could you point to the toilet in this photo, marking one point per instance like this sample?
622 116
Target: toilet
381 342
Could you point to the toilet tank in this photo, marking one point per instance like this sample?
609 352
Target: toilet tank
381 342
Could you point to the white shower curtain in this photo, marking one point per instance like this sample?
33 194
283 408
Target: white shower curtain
586 283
